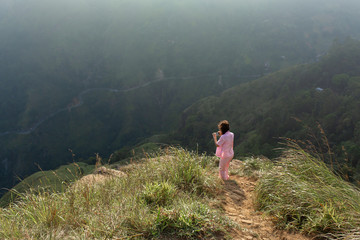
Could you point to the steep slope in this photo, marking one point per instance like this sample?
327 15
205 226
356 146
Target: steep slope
287 104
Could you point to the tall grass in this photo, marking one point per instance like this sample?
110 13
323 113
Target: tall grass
54 181
302 193
167 196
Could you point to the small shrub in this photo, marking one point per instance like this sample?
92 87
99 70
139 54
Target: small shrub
159 193
189 172
189 219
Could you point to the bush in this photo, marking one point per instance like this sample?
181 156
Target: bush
159 194
189 219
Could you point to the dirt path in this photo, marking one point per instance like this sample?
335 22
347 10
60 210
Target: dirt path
239 207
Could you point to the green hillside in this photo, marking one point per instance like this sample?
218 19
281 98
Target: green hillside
290 103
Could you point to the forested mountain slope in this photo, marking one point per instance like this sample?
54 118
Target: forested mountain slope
290 103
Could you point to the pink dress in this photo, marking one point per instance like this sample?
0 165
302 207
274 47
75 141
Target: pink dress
225 152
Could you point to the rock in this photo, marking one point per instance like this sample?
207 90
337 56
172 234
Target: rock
108 171
246 221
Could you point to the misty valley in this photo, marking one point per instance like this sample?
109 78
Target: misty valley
80 78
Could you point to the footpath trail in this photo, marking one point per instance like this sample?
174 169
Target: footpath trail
239 206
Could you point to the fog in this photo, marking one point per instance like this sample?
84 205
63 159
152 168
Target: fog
97 76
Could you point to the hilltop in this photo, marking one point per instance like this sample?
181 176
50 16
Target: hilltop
177 195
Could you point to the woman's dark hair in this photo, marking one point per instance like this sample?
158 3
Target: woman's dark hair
224 126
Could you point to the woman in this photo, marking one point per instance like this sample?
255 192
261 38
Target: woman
224 148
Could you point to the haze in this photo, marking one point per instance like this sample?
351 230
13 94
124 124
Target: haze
98 76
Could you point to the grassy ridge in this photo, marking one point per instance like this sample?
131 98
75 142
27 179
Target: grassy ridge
175 195
163 196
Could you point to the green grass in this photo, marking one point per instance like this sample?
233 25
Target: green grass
53 181
303 194
253 167
175 195
168 196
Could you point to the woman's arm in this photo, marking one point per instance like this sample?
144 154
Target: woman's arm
215 139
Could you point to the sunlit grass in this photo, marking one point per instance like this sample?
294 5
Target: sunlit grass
302 193
168 195
175 195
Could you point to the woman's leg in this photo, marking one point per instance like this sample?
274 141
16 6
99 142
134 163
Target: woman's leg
224 168
227 166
